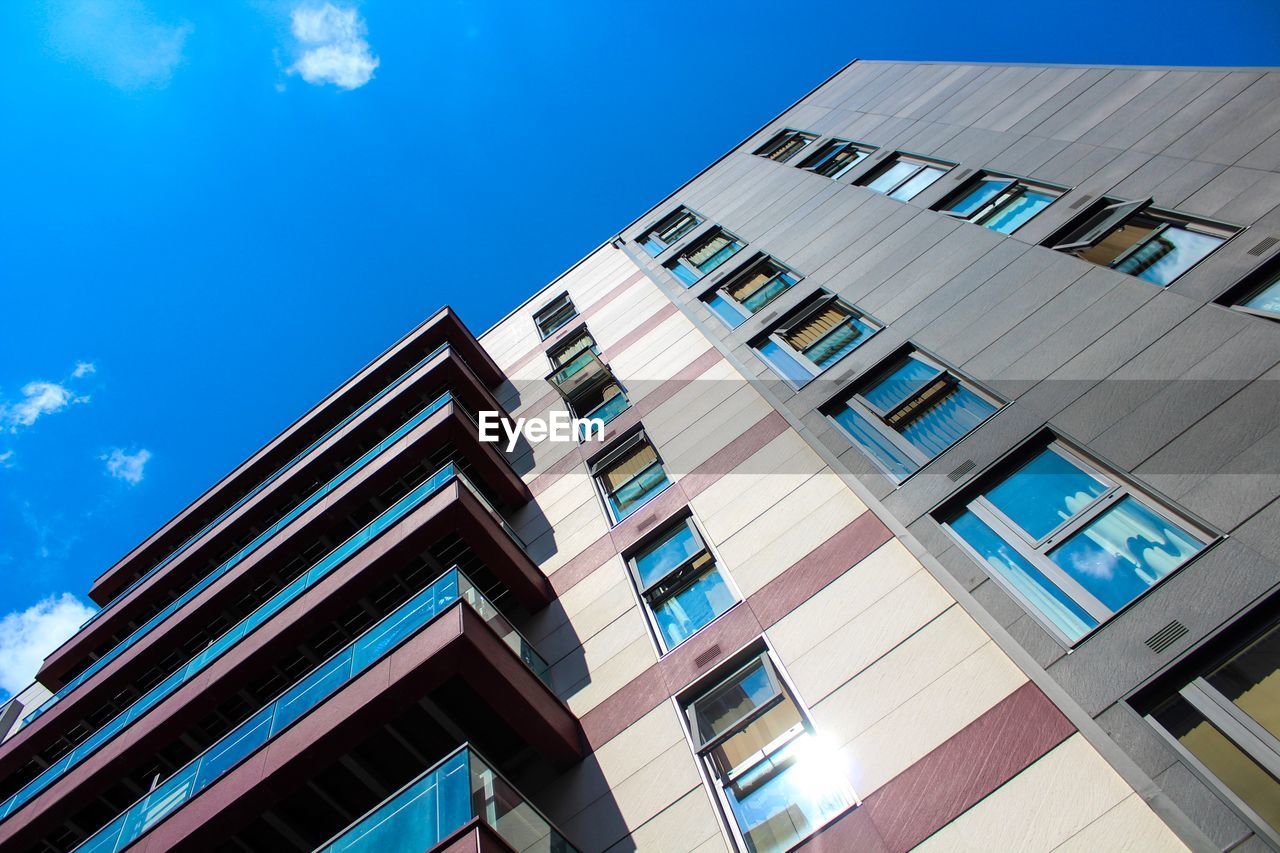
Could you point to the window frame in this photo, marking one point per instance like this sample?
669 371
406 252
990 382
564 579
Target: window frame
547 310
920 163
780 139
654 231
1262 277
680 577
878 418
777 335
600 464
1015 187
721 289
565 341
682 259
1069 239
837 146
1036 551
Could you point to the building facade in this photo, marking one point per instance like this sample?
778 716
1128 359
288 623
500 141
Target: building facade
934 506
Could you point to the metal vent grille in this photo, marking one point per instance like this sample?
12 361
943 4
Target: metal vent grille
1263 245
961 469
1082 201
769 319
964 174
707 656
1166 636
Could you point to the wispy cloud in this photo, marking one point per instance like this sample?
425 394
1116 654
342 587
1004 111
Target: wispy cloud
120 41
83 368
28 636
6 459
126 466
334 49
38 399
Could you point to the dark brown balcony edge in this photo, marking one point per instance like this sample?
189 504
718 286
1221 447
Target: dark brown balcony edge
444 323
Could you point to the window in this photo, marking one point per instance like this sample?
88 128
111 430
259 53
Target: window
903 177
1000 203
705 255
771 773
909 412
757 284
630 476
555 315
589 387
785 145
1226 723
680 583
1074 544
836 157
824 331
1132 237
573 344
666 232
1260 293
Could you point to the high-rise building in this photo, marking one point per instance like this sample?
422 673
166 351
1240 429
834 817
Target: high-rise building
935 506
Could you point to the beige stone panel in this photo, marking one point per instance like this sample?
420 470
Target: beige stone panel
623 756
608 642
845 598
1130 827
612 675
858 644
660 354
1051 801
924 721
553 546
695 400
714 844
621 316
572 633
764 548
687 825
708 435
658 785
569 546
734 500
559 513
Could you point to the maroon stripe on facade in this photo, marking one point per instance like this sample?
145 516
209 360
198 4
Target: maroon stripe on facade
734 453
555 471
970 765
578 567
586 314
733 629
805 578
671 501
645 327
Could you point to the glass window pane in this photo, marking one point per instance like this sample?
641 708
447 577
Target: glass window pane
686 275
1124 552
1267 299
784 363
689 610
732 700
745 746
1052 603
1169 254
985 191
1045 492
839 342
947 421
890 177
918 182
1013 216
875 444
775 809
1231 765
771 291
654 562
652 246
726 311
912 375
630 497
1251 680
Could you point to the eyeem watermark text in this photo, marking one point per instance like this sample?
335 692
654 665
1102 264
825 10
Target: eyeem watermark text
557 426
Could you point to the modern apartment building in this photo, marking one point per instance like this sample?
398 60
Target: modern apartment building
935 506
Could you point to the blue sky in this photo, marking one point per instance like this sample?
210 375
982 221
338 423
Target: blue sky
213 213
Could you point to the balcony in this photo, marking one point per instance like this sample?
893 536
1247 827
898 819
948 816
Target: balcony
442 329
442 504
446 632
462 791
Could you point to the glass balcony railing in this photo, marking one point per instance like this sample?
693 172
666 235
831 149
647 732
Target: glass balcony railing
313 689
457 790
232 636
208 580
284 469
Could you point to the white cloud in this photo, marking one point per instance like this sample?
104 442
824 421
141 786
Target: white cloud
126 466
83 368
119 41
27 636
6 459
334 47
38 399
